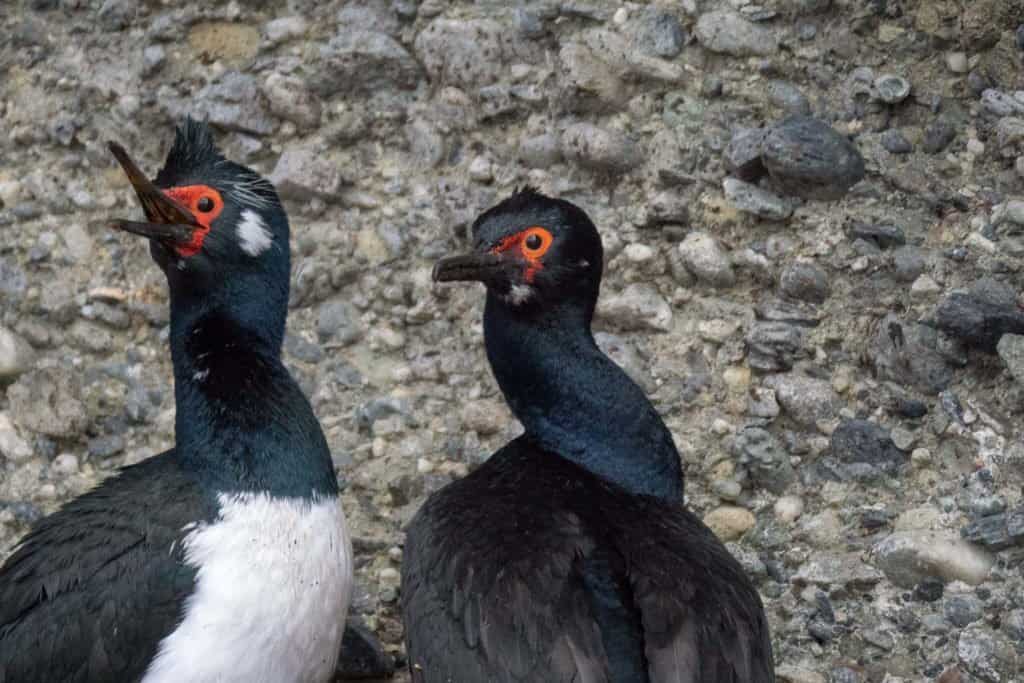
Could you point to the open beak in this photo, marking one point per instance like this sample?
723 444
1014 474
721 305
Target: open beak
167 220
479 267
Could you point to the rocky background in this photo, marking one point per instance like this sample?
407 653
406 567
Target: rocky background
813 215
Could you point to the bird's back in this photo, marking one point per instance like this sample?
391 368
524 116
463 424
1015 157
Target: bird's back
533 569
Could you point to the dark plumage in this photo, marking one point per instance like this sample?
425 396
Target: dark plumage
568 555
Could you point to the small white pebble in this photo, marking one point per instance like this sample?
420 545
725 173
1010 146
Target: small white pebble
424 466
789 508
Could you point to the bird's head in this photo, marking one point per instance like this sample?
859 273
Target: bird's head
215 227
532 252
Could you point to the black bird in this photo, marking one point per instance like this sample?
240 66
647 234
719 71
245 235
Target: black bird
226 558
568 555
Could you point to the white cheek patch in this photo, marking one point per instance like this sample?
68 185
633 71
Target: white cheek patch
519 294
253 235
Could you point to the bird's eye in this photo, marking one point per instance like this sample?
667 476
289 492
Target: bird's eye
536 242
205 204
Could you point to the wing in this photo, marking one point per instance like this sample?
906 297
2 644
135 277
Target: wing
491 588
702 617
90 592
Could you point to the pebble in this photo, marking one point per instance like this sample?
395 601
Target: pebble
742 156
727 32
909 557
359 61
892 89
804 281
12 445
16 356
232 102
806 400
729 522
283 29
764 459
938 135
290 99
753 200
599 149
788 509
957 62
982 315
809 159
997 531
988 654
837 571
638 307
864 450
1010 349
895 142
303 173
465 53
705 258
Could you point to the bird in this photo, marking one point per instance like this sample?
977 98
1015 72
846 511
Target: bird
569 554
226 558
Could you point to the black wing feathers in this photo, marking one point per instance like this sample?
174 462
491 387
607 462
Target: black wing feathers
529 571
90 592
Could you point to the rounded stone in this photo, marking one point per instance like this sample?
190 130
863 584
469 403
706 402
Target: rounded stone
809 159
892 89
788 509
730 522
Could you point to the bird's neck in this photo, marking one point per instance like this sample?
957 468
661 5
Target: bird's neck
242 422
575 402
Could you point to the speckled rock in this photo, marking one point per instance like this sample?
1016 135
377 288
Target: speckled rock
728 32
909 557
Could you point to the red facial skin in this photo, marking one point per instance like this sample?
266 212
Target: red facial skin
189 196
533 256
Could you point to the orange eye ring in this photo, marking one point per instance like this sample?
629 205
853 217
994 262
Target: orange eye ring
535 242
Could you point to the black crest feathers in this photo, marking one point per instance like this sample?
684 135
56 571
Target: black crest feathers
193 150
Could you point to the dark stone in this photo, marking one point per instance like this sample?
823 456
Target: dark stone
767 462
362 654
906 353
863 450
962 610
894 142
659 34
774 346
885 236
105 446
997 532
809 159
981 316
938 135
804 281
910 407
742 155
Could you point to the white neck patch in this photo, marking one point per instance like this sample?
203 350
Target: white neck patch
253 235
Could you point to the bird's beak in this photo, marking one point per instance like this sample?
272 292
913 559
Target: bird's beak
485 267
167 220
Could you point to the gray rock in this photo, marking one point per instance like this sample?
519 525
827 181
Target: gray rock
153 59
707 260
761 403
997 532
16 356
600 149
895 142
356 61
809 159
764 458
637 307
13 281
837 572
291 100
999 103
774 346
891 89
232 102
282 29
1011 350
789 98
116 15
465 53
752 199
963 610
987 654
805 399
885 236
105 446
657 33
588 83
938 135
804 281
540 151
303 173
910 557
338 321
729 33
49 401
907 353
12 446
742 155
864 450
981 316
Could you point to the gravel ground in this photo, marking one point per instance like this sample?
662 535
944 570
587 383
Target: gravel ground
813 214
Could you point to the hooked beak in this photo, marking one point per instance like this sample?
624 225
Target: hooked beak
471 267
168 221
